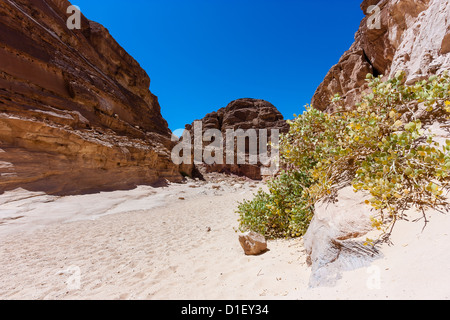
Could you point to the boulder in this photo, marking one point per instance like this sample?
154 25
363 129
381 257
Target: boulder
253 243
332 240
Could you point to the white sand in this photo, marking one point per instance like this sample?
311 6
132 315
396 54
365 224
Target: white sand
149 244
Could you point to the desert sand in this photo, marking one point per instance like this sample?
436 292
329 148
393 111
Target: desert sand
180 242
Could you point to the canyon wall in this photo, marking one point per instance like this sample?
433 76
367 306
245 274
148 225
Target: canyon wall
76 112
408 35
413 36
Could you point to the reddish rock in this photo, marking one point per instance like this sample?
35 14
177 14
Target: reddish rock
253 243
243 114
413 37
76 112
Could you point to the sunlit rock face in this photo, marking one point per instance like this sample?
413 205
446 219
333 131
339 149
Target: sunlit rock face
408 35
76 112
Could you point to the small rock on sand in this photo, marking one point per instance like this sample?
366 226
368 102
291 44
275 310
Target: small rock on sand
253 243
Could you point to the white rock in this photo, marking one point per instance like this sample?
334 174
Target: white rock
330 240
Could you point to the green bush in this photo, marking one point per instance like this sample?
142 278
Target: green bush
378 146
280 213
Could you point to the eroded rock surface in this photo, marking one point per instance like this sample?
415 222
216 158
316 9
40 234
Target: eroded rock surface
333 240
414 36
76 112
243 114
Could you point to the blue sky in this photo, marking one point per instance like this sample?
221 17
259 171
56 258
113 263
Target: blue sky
202 54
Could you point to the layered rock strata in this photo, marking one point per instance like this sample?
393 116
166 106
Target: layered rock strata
76 112
244 114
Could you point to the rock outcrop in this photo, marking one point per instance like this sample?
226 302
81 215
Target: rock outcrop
76 112
243 114
412 35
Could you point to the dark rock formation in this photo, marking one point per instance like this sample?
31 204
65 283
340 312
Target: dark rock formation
243 114
76 113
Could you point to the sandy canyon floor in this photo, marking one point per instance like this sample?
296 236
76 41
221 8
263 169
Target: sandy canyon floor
179 242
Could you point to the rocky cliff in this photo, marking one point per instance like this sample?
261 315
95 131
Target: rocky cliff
413 36
243 114
409 35
76 112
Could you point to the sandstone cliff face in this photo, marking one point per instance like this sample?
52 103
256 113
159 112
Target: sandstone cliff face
76 112
414 36
243 114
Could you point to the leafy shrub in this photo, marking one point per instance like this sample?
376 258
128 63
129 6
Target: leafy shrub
378 145
280 213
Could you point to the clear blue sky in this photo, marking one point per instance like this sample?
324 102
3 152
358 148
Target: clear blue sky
202 54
